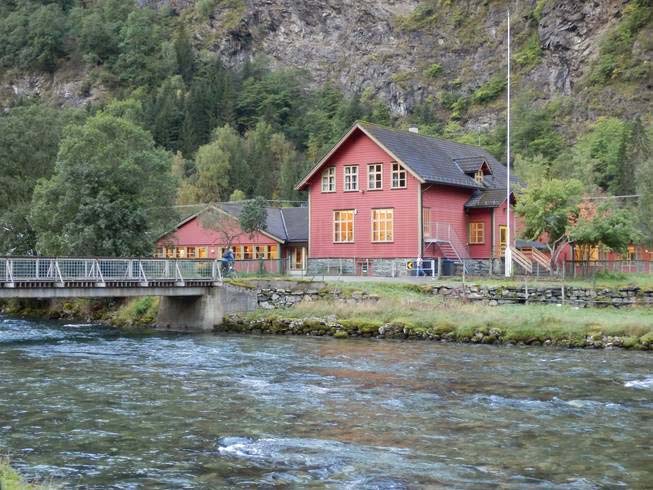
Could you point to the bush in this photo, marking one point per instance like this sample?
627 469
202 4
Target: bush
433 71
490 90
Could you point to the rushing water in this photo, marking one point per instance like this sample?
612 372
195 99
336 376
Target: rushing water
88 406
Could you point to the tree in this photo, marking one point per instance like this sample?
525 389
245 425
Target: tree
253 217
601 152
548 207
645 203
110 193
608 226
237 195
29 141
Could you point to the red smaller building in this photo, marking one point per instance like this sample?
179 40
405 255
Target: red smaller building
206 234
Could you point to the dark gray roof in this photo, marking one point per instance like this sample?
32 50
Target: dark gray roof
274 222
296 221
440 161
487 198
520 243
470 165
430 158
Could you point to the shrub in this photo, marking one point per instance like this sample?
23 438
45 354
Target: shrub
433 71
490 90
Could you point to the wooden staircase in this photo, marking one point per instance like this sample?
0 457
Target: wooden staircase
528 258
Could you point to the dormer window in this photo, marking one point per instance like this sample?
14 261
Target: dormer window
479 176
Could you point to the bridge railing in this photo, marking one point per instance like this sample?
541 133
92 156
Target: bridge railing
103 270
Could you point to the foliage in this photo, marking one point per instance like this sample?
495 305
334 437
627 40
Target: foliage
29 141
600 154
10 479
32 36
433 71
102 200
254 216
608 226
490 90
530 53
645 202
237 195
533 130
615 57
547 208
213 164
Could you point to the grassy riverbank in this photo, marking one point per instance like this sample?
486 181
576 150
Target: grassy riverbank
134 313
10 479
407 311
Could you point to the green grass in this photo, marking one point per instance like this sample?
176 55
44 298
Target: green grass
10 479
406 305
135 313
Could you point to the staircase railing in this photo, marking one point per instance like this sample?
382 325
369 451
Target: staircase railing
446 233
519 258
541 259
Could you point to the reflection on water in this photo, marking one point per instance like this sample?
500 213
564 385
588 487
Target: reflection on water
89 406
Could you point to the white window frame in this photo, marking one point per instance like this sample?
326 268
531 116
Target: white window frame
398 174
329 179
338 235
374 170
382 225
351 178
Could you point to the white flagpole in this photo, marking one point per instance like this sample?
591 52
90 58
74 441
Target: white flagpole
508 265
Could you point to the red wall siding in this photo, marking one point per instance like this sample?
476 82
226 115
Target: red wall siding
481 251
360 150
193 234
447 206
500 219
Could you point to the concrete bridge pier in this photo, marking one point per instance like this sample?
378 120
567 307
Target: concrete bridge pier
204 313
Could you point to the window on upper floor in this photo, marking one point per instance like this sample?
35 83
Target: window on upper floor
343 226
382 225
398 176
329 180
479 176
351 178
476 233
375 176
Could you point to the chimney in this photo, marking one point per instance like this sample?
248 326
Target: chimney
414 129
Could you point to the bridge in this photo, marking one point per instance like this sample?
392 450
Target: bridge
194 296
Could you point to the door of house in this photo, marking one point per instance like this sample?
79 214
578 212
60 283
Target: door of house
503 239
297 257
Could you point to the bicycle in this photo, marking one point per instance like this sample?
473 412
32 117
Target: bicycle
228 270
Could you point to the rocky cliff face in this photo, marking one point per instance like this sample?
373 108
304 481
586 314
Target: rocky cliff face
387 47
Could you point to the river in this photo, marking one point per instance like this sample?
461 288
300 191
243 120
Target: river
87 405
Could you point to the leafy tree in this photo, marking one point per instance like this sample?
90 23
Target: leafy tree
601 152
533 131
254 216
166 113
29 141
32 36
645 202
547 208
110 193
237 195
612 227
213 164
141 61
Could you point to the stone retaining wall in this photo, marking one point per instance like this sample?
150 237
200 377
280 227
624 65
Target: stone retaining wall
284 294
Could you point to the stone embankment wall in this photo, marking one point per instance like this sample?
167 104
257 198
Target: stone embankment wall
284 294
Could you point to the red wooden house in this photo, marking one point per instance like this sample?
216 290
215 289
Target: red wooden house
206 234
382 193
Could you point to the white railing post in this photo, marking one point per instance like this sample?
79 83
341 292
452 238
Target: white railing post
101 283
57 270
9 266
141 271
179 279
